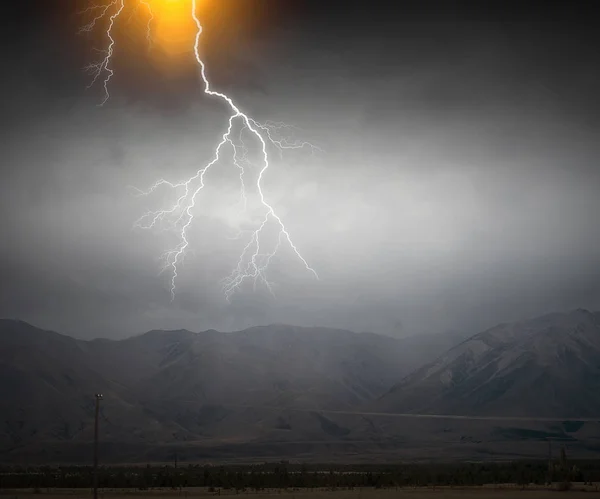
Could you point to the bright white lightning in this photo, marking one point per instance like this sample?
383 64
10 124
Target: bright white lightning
253 261
103 66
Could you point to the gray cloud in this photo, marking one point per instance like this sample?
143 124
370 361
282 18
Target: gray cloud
458 187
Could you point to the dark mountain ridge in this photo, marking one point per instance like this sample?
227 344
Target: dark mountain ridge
169 386
548 366
284 391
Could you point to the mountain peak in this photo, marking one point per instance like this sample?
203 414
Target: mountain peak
165 386
525 368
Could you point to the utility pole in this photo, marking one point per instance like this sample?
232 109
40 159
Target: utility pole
549 460
98 399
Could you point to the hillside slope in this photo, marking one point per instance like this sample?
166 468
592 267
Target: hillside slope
548 367
165 387
48 389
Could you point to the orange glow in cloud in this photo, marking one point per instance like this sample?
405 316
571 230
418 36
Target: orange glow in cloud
172 31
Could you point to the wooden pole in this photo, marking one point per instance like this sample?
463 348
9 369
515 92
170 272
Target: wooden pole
98 399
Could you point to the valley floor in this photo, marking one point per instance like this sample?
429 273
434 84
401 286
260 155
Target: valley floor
492 491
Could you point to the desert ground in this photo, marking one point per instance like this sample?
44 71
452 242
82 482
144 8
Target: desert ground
492 491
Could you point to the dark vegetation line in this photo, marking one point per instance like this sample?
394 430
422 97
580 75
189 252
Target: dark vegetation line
286 475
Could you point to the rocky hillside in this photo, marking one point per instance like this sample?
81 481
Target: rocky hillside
314 393
179 386
547 367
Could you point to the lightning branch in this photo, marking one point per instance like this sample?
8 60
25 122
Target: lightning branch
255 257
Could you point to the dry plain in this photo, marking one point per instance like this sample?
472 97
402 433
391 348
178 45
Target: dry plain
508 491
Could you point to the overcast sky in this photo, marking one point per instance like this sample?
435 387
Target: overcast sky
457 188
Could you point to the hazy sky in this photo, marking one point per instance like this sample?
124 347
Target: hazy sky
457 188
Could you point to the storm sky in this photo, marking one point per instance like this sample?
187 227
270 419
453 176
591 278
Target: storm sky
457 188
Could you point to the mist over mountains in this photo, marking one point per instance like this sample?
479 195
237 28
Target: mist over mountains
285 391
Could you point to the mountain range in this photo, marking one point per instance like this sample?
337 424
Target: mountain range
310 393
546 366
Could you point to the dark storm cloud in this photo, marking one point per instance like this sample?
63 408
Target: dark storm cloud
458 187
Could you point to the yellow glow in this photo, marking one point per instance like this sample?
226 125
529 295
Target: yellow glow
174 26
173 30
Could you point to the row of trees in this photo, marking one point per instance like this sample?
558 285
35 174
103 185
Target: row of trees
284 475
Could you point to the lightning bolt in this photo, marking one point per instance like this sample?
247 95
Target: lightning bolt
103 66
256 256
150 19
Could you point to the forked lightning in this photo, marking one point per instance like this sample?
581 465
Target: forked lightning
255 258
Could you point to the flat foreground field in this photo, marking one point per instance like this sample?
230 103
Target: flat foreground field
508 491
